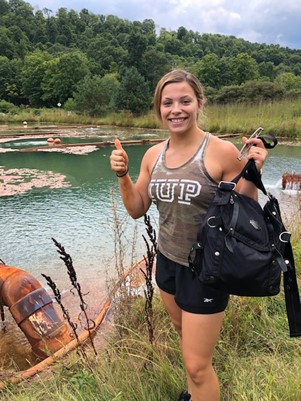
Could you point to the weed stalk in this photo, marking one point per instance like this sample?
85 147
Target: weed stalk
58 298
66 258
148 274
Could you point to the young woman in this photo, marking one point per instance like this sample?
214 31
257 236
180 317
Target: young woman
180 176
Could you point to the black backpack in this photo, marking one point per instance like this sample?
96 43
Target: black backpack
244 249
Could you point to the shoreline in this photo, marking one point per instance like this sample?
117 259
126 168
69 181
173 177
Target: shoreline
53 129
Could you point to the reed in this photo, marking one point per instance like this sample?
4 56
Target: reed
76 290
282 118
148 275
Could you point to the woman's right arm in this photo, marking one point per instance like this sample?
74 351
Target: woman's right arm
135 196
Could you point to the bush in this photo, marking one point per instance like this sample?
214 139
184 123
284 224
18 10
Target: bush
251 91
7 107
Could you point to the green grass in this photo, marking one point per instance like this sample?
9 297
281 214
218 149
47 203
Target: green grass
282 118
255 358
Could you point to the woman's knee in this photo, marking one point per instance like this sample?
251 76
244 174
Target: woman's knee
198 371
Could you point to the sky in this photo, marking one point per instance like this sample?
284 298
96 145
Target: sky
261 21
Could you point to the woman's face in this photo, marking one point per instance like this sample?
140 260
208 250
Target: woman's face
179 107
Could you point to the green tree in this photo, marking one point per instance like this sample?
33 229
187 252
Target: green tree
13 84
40 34
257 91
22 44
155 63
251 91
109 44
288 81
266 69
227 73
208 70
245 68
94 95
4 9
105 55
5 76
171 43
148 29
21 16
229 94
33 72
137 45
62 76
133 94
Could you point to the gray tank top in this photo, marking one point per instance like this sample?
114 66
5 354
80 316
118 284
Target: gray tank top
182 196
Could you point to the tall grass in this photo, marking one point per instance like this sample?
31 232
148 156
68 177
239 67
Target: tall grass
282 118
255 359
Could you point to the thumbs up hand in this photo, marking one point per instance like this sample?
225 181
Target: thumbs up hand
119 159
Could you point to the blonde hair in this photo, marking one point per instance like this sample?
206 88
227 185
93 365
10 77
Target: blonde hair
174 77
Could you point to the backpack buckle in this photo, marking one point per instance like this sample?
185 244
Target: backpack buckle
226 185
285 236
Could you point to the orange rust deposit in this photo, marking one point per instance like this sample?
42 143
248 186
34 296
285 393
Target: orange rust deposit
32 309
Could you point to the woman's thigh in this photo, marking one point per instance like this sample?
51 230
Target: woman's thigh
173 310
200 333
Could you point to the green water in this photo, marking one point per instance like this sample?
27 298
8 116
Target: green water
79 215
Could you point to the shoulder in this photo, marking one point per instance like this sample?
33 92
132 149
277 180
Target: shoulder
221 149
221 159
156 149
221 145
152 154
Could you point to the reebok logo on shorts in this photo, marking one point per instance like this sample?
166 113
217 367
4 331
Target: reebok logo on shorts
208 300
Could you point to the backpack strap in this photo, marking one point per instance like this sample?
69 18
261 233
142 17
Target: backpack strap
291 292
250 173
271 141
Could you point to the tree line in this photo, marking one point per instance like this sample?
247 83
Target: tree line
98 64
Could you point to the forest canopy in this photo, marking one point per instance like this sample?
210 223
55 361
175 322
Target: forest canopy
101 63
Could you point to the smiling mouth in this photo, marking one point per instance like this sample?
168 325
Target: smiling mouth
177 120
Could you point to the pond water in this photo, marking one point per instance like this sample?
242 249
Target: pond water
65 196
74 198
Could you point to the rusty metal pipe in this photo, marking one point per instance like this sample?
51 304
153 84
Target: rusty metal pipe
291 181
33 310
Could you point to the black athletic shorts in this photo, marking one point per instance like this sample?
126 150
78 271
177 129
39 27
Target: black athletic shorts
190 294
